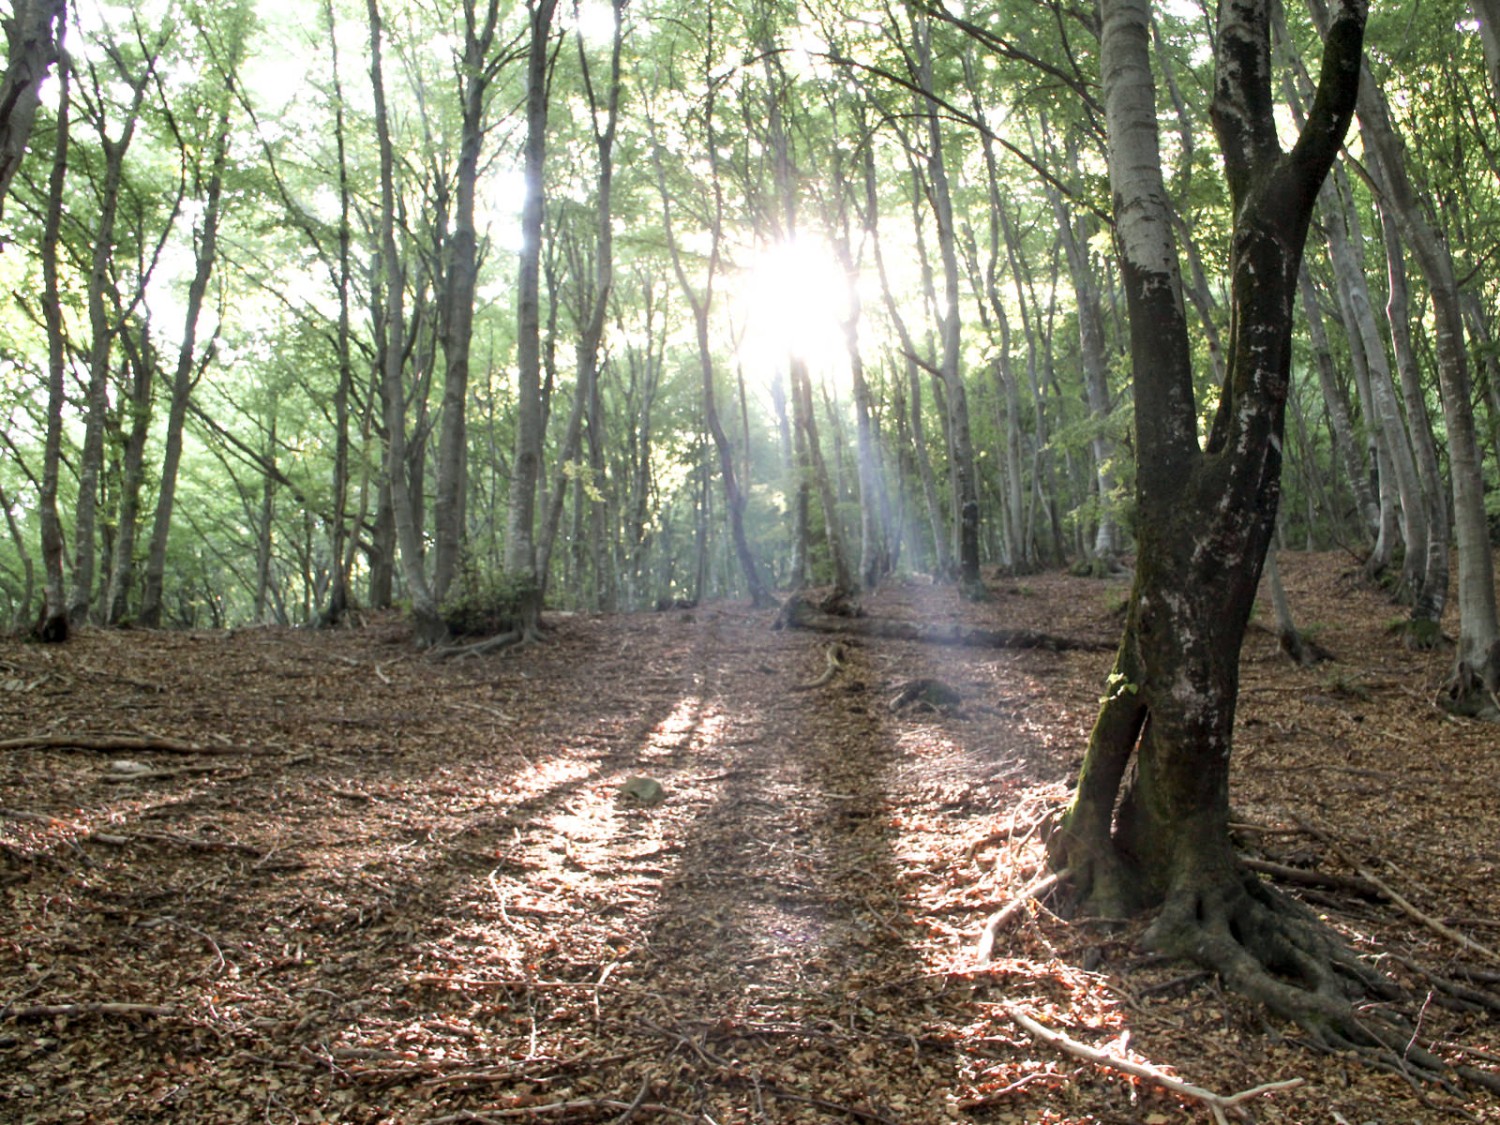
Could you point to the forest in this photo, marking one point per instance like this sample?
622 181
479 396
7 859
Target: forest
646 380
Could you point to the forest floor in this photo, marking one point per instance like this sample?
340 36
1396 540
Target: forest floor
293 876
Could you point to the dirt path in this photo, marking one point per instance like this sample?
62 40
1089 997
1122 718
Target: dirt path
385 889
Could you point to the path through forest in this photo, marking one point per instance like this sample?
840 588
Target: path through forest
335 880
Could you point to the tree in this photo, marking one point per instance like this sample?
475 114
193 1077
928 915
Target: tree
189 362
520 541
392 342
1206 513
31 46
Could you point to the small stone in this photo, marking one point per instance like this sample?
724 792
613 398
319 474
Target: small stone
645 790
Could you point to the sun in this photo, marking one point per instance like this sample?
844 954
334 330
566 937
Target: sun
791 303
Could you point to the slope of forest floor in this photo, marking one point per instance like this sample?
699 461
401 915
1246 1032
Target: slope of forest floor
290 876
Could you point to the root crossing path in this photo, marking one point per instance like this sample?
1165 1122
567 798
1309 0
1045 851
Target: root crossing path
388 889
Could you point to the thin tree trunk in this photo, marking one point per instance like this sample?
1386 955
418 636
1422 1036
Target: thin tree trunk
960 439
476 72
102 330
1476 672
526 468
391 349
188 370
1429 598
595 309
53 625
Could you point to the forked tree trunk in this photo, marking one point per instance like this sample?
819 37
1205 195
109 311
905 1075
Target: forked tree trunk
1206 514
476 71
33 35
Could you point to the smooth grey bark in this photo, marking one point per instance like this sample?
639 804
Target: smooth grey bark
1336 403
1016 552
137 408
102 327
593 304
1475 678
1076 231
53 625
342 544
189 366
391 346
1387 533
700 302
1428 598
1206 516
1488 12
526 464
477 69
1346 253
33 42
963 468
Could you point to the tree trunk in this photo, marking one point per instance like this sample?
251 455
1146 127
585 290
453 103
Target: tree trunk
1345 248
1336 403
102 330
391 341
53 624
342 557
960 439
1476 672
594 308
526 468
1205 516
1431 595
700 303
33 40
475 73
142 365
185 375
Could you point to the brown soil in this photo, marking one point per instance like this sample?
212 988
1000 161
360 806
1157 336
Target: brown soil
345 882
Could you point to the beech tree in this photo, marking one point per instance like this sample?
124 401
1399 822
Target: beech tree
31 38
1149 824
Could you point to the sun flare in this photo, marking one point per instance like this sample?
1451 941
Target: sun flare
792 304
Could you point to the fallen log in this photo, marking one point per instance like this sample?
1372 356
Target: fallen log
798 613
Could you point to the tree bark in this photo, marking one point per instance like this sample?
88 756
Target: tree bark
1159 837
53 625
33 40
102 331
1475 678
391 345
526 468
476 70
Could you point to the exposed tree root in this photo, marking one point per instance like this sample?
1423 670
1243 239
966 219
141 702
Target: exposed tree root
1272 950
834 659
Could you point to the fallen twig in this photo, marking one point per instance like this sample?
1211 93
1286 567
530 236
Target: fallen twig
120 840
1433 924
116 743
984 949
1217 1103
51 1011
574 1105
1307 878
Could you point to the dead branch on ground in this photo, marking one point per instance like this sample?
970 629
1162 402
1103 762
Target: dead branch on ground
1217 1103
798 613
